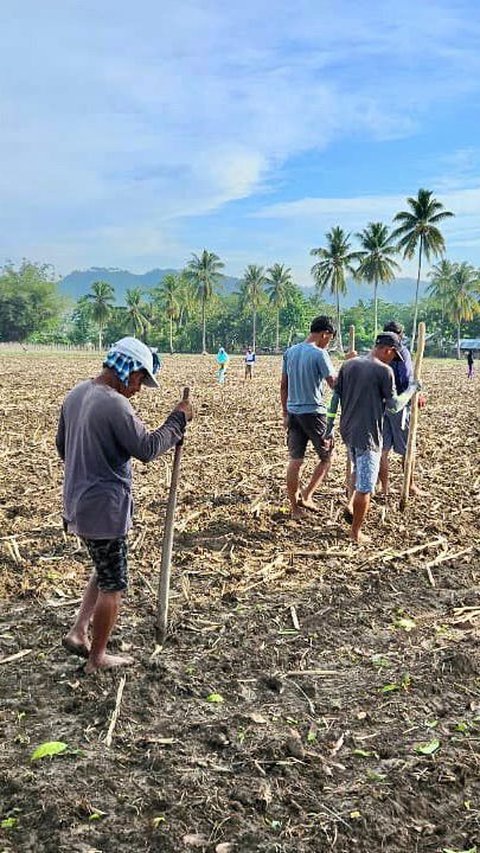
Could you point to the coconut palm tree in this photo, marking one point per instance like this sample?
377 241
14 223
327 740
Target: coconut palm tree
376 260
136 310
169 297
187 298
419 228
439 287
100 300
463 296
251 294
279 281
334 262
204 271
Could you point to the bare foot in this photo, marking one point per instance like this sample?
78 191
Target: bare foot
76 645
107 662
308 502
359 538
415 490
297 512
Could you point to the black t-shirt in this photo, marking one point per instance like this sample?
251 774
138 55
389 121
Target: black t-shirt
364 385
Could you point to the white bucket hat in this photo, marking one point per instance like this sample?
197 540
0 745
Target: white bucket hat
133 348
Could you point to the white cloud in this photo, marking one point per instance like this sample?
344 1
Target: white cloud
122 119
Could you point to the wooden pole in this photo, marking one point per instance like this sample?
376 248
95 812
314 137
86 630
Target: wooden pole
348 469
167 546
412 433
351 338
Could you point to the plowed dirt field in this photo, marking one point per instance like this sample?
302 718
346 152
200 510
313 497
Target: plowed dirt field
347 679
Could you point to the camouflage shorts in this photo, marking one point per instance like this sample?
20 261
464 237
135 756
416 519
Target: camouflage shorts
110 560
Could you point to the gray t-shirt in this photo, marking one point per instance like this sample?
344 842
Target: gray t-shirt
306 367
98 432
364 386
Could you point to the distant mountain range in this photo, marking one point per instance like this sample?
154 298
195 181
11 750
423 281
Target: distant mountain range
78 283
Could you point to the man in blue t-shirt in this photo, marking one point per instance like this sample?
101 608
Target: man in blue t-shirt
306 368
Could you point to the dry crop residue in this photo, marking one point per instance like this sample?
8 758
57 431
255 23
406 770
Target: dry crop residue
347 681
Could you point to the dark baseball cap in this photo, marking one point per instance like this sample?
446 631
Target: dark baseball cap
390 339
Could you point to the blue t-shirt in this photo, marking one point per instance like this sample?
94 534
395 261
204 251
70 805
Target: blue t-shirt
403 371
306 367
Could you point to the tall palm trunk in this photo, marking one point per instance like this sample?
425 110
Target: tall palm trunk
277 332
339 320
415 312
375 308
171 333
442 324
254 331
458 340
204 334
100 342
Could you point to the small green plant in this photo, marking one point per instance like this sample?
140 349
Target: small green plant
373 776
427 748
48 749
9 823
405 623
451 850
404 684
380 661
215 698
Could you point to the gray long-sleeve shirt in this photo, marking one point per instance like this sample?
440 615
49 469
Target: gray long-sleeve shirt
98 433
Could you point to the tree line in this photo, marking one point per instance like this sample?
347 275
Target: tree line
187 311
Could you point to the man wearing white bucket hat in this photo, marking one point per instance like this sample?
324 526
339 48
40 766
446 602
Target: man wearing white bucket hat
98 433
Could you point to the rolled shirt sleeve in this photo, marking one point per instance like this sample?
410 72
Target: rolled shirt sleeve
144 445
60 436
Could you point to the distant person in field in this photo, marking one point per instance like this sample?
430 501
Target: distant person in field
249 362
306 368
470 365
222 361
98 433
396 425
365 387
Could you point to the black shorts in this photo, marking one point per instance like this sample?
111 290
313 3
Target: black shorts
110 560
305 428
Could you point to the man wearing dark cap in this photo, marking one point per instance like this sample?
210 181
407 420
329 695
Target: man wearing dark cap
306 367
98 433
396 425
365 387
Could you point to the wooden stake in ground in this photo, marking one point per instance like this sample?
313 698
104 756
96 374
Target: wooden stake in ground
348 470
167 547
412 434
116 711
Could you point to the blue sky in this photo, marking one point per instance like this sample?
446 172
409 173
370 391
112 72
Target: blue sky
133 134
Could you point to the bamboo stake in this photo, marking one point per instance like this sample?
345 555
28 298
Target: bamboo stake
116 711
17 656
412 433
167 547
348 470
